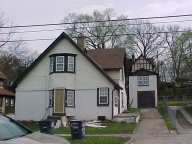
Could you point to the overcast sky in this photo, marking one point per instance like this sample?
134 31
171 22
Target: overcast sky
26 12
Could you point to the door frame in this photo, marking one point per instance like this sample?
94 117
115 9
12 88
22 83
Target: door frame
63 101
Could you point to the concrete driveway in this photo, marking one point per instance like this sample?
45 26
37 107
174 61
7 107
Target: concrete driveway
152 123
152 130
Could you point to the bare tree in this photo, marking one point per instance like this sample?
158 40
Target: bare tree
100 35
147 38
14 55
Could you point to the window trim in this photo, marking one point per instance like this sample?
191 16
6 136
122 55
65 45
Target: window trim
51 98
56 63
142 80
65 65
51 67
98 97
71 63
66 98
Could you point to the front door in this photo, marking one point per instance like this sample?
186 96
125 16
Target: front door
59 101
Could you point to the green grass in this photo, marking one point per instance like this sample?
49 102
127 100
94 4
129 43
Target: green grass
179 102
132 110
98 140
179 91
112 128
165 116
34 126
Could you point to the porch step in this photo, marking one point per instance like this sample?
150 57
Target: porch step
127 117
58 121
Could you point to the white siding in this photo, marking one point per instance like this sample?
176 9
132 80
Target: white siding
31 105
32 92
133 88
86 106
119 77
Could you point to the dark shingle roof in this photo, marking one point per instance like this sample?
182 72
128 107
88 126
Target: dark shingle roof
108 58
2 76
5 92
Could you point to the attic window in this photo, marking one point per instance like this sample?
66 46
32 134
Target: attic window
62 63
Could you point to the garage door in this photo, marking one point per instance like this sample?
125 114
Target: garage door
146 99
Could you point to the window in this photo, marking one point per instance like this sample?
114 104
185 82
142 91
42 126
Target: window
116 101
143 80
51 64
71 63
12 102
7 102
141 65
60 63
51 98
70 98
122 102
103 97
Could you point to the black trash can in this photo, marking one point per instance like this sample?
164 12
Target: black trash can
45 126
77 129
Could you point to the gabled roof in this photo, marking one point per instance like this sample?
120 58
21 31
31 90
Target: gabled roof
130 62
108 58
5 92
65 36
2 76
150 60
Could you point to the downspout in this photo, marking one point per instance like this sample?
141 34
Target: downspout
112 102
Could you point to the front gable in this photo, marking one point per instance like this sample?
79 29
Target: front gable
63 44
143 63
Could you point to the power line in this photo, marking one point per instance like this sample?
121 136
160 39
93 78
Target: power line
124 34
60 29
100 21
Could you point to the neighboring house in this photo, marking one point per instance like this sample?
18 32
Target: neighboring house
142 82
7 98
68 80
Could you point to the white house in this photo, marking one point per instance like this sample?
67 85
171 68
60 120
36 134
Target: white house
142 82
68 80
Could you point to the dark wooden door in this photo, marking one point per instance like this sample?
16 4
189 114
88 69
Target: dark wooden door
146 99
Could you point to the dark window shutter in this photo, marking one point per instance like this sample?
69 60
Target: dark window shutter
97 96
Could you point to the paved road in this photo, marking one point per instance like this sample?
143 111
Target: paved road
152 130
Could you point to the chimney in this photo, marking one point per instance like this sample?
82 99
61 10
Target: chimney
81 41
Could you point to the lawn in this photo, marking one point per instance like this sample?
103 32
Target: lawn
99 140
179 102
165 116
112 128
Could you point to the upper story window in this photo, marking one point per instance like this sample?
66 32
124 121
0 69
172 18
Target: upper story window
71 63
103 96
62 63
51 64
143 80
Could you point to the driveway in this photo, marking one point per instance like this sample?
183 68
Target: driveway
152 123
